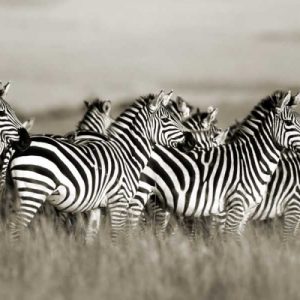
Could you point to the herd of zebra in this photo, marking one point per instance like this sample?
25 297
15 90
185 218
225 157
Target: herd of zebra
161 158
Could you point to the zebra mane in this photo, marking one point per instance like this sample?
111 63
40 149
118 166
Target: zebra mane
96 104
196 119
127 117
259 114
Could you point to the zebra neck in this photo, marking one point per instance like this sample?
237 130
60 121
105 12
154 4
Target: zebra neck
257 137
130 133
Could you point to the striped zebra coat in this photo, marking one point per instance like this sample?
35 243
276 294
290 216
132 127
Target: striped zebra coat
282 197
95 119
204 132
232 177
207 135
76 178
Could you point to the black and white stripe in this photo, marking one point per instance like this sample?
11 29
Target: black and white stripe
232 177
77 178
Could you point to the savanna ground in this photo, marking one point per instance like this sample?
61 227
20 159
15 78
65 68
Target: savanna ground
51 265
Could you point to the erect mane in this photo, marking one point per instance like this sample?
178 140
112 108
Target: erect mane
197 119
260 111
96 104
127 117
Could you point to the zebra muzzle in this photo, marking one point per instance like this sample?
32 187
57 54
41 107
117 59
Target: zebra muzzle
188 144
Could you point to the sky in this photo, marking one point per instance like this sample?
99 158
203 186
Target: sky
57 53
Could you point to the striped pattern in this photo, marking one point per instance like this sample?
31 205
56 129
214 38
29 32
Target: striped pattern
207 135
232 177
282 198
77 178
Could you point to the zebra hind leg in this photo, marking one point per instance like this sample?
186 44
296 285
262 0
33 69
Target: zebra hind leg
24 215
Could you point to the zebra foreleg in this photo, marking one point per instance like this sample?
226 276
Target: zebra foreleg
159 216
93 226
234 218
217 226
135 212
291 221
189 225
118 210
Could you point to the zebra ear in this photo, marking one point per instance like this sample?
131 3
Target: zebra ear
4 90
86 103
284 102
183 107
221 137
156 101
296 100
28 124
107 107
212 114
166 98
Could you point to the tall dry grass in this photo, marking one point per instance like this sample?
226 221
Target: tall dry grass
48 264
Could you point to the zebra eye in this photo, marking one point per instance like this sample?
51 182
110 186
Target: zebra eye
165 119
288 122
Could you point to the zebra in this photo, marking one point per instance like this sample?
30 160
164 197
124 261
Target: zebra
96 119
204 133
207 135
77 178
231 178
200 124
282 198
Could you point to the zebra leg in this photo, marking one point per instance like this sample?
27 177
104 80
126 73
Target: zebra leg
189 224
234 218
118 209
135 212
24 215
93 226
291 221
142 220
162 218
217 226
159 216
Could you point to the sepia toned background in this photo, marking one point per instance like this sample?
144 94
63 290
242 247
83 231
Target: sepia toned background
224 53
227 53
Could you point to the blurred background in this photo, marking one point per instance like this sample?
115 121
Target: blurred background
212 52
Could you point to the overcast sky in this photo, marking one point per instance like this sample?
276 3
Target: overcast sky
59 52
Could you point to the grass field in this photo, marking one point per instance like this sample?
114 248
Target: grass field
51 265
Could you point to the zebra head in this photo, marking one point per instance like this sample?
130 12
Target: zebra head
286 128
166 129
97 117
202 126
180 108
12 132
